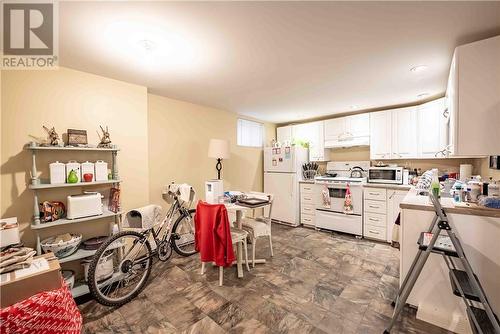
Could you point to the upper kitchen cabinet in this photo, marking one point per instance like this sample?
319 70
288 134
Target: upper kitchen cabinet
347 131
380 135
473 99
313 133
404 133
432 133
317 151
284 134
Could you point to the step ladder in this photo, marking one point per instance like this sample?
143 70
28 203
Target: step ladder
465 283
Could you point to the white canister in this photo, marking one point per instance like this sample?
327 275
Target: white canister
101 170
73 165
494 189
57 173
88 168
9 232
465 172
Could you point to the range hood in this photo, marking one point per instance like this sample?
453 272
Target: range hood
348 142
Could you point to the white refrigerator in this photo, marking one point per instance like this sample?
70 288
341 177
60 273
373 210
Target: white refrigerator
282 172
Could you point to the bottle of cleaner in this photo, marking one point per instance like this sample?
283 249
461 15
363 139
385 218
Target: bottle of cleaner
435 186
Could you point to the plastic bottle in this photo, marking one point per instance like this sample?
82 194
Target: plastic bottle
435 186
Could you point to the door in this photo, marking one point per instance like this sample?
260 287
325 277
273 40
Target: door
284 134
285 202
404 133
394 199
358 125
280 159
432 123
380 135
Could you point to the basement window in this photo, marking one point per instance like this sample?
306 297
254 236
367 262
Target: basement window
250 133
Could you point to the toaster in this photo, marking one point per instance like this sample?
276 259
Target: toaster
84 205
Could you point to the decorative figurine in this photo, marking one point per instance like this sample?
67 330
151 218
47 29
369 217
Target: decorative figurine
52 136
105 140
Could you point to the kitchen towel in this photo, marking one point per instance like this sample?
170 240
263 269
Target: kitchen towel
183 190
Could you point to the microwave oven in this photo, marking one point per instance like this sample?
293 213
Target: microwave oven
392 175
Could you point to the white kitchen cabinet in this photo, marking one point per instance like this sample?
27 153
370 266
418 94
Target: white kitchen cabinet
307 207
334 129
432 134
317 151
380 135
473 99
313 133
381 208
358 125
394 199
284 134
347 131
404 133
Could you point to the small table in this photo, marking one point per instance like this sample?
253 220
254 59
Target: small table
239 214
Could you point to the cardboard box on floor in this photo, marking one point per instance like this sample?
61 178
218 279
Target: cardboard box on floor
21 284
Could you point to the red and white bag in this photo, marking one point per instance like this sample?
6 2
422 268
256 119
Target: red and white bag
48 312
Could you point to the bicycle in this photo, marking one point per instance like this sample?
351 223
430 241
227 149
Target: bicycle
131 255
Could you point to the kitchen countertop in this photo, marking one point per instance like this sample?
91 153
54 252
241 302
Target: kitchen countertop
417 202
307 181
387 186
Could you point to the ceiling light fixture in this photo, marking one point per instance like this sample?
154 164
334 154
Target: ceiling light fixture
418 68
353 106
146 45
422 95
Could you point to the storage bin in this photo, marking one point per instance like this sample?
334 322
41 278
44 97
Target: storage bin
101 170
73 165
88 167
9 232
57 173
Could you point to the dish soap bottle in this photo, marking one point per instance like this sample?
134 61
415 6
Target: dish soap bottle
435 186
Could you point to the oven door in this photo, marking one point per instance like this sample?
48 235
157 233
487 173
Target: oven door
337 194
385 175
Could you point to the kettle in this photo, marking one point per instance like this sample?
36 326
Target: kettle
357 172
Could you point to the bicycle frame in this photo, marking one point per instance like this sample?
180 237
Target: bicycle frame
166 223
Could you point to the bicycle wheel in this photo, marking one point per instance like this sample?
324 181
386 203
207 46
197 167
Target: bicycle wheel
183 234
120 268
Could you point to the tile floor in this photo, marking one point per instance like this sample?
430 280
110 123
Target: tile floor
317 282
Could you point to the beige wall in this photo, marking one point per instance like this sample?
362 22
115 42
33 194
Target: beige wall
65 99
179 133
161 140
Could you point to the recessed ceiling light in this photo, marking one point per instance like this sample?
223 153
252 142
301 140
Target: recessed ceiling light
418 68
146 45
422 95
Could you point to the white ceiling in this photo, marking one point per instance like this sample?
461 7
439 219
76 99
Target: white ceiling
275 61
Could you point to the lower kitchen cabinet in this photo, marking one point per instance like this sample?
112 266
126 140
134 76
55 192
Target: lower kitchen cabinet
380 210
307 207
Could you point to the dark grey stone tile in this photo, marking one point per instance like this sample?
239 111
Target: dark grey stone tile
317 282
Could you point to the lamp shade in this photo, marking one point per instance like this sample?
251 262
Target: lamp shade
219 149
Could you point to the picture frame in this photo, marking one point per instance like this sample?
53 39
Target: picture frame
77 137
494 161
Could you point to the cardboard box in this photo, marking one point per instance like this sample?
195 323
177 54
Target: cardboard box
43 275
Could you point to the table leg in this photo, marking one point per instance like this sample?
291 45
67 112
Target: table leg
239 248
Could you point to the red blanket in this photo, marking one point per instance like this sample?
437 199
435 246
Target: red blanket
213 234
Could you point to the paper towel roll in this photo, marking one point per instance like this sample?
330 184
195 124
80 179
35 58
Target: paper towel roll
465 172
